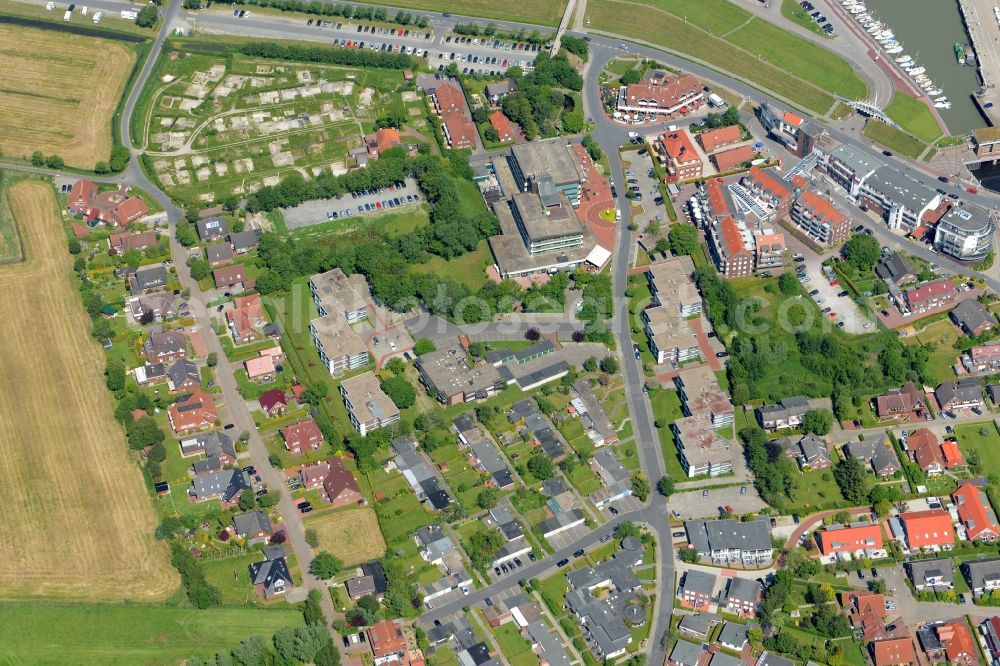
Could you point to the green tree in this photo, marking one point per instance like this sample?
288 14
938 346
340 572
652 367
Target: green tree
609 364
862 251
683 239
689 555
144 432
852 480
630 77
590 365
312 537
488 498
401 391
627 529
54 162
200 268
102 168
640 487
74 246
541 466
817 421
665 486
212 360
396 366
247 501
787 284
147 17
325 565
423 346
37 158
114 375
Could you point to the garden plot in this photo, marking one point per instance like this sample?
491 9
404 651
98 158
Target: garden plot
215 130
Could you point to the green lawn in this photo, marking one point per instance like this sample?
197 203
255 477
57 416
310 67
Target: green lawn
942 335
515 648
814 489
893 139
232 576
666 406
469 269
794 68
792 11
392 224
970 436
539 12
800 58
913 116
133 634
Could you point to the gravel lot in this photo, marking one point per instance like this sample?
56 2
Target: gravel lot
847 310
695 504
318 210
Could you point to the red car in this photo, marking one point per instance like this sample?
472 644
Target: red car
831 315
971 190
835 283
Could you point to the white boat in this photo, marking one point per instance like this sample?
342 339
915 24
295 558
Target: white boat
904 58
890 43
886 34
934 91
943 98
894 49
856 10
874 28
942 105
913 71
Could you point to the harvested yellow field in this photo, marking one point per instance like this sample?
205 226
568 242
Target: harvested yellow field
77 519
352 534
58 93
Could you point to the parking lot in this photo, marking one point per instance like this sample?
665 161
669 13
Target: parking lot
639 175
843 308
709 502
386 200
568 537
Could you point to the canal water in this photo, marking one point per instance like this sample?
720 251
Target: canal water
928 31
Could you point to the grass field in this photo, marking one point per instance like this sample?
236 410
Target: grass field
970 436
540 12
133 634
59 93
10 242
391 224
893 139
914 116
67 474
942 334
352 534
469 269
731 39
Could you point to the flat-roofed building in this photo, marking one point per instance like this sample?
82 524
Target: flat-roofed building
448 375
367 405
966 232
546 221
702 451
819 219
340 349
670 337
700 393
901 201
672 278
551 158
335 293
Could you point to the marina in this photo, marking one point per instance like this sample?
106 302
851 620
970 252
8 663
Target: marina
934 52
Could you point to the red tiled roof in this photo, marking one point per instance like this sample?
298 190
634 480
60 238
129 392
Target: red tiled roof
792 119
196 411
272 399
129 210
302 435
952 454
799 181
82 191
448 97
504 127
340 483
386 138
386 638
926 448
850 539
716 198
927 528
723 136
894 652
926 292
229 275
730 159
958 644
972 512
820 208
677 146
732 240
769 183
672 92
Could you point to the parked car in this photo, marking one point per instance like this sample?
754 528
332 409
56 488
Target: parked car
563 562
578 553
679 534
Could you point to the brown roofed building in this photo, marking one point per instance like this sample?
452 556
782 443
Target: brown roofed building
387 641
893 652
382 140
904 404
729 251
662 95
764 184
81 193
125 242
504 127
712 140
819 219
449 103
229 276
339 485
196 412
302 437
129 210
728 160
679 154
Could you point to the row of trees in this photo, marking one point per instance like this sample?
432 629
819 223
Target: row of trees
360 13
328 56
490 30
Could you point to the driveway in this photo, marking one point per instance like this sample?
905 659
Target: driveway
568 537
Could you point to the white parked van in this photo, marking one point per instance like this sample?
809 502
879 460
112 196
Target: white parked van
50 6
97 17
83 10
633 135
67 15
